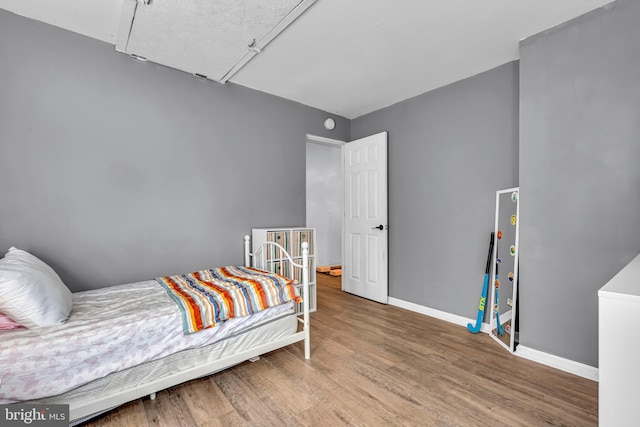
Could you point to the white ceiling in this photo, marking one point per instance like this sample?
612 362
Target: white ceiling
353 57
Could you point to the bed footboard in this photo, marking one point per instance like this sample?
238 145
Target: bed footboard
259 259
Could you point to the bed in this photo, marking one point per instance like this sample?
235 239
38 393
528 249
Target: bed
131 340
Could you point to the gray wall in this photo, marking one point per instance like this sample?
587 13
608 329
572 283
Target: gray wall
113 170
449 151
324 200
579 174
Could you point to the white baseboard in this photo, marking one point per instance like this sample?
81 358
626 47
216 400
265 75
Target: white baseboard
442 315
573 367
566 365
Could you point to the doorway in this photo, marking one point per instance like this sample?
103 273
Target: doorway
324 199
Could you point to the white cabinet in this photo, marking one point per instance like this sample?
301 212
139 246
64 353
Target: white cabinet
291 239
619 348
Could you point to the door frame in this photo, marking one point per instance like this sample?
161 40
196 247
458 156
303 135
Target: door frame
334 143
339 144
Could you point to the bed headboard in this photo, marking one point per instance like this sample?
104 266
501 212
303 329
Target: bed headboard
267 255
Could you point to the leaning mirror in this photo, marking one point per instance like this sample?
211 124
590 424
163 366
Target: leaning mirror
504 275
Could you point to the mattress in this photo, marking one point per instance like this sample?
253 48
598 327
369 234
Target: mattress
109 330
265 331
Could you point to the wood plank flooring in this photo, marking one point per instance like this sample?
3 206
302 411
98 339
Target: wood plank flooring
374 365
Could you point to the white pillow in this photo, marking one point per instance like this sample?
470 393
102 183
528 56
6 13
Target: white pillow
31 293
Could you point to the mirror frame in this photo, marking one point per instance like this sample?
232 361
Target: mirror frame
514 298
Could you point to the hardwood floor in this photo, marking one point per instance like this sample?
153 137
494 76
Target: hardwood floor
374 365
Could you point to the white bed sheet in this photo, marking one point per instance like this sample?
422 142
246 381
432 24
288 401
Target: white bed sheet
109 330
266 331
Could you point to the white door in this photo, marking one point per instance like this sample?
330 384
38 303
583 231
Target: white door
365 260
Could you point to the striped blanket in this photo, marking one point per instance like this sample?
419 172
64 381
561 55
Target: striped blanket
209 297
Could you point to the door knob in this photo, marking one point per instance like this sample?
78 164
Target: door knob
380 227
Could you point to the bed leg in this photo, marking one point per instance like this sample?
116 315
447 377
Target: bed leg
254 359
152 396
307 342
305 299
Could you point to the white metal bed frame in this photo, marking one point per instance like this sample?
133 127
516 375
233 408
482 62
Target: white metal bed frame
86 410
261 261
